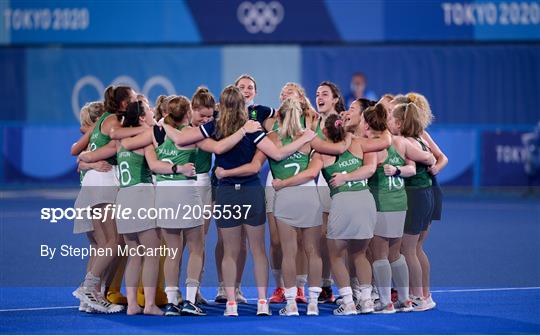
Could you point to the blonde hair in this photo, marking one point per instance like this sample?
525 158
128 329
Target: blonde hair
232 112
410 116
426 117
305 104
178 108
289 117
91 112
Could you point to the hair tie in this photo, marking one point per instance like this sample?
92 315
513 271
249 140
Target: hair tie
338 123
412 97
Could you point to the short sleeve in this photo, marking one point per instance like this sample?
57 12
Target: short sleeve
256 137
207 129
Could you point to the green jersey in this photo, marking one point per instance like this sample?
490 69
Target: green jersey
98 139
133 168
345 163
319 130
290 166
203 161
168 152
389 191
422 179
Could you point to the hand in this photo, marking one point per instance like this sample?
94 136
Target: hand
277 184
101 166
187 169
389 170
338 180
433 160
252 126
433 170
308 135
84 156
220 173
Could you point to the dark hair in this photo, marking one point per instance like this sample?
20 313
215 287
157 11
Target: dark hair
336 93
246 76
365 103
203 98
334 128
375 117
113 97
133 112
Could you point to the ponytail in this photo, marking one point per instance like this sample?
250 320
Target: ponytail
334 128
410 116
203 98
375 117
132 114
289 115
113 98
177 109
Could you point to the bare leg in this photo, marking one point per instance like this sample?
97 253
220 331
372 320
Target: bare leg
311 243
194 242
337 250
275 248
287 235
133 270
325 256
232 240
150 270
424 262
409 250
241 258
218 254
255 235
171 267
357 251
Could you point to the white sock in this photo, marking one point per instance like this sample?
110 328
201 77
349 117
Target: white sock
355 284
290 295
102 289
365 292
191 289
346 294
314 293
400 275
173 295
301 280
382 272
278 278
327 282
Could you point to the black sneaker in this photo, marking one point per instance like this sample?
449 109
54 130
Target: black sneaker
191 309
326 295
173 310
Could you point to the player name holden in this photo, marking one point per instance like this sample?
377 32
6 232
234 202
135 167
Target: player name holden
122 251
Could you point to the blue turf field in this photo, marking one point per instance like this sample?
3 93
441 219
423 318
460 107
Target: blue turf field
481 249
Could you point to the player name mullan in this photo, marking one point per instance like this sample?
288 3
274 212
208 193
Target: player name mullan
91 251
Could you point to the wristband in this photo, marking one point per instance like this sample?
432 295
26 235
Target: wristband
174 168
398 172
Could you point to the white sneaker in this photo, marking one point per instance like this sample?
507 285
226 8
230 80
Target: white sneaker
82 307
313 308
430 303
386 309
365 307
344 310
240 298
96 301
221 296
419 304
404 307
263 308
374 293
231 309
289 310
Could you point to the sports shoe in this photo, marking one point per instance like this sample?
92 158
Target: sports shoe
83 306
221 296
96 301
289 310
394 295
430 303
200 300
231 309
173 310
419 304
339 300
116 297
190 309
326 295
240 298
300 296
312 309
263 308
365 306
345 309
404 307
278 296
387 309
374 293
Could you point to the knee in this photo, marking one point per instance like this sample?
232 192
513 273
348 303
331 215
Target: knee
312 251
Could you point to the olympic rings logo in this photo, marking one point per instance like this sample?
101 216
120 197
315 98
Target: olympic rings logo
120 80
260 16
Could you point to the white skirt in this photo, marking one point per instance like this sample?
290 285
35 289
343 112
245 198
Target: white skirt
298 206
136 197
204 186
180 204
324 193
352 215
269 193
390 224
96 188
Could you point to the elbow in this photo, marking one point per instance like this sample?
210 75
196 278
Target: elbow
372 170
113 134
